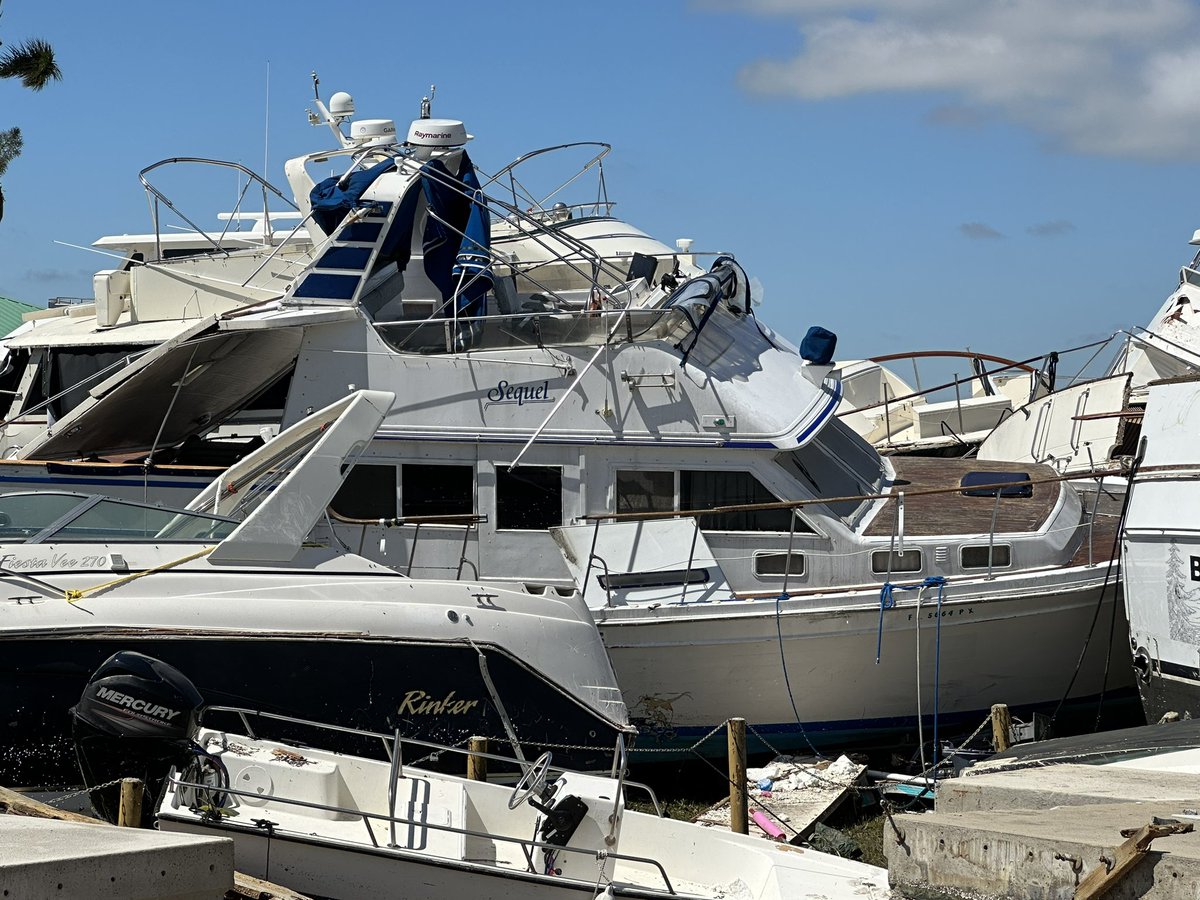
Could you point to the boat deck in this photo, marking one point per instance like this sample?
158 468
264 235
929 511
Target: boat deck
955 513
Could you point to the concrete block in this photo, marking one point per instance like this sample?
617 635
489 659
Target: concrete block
1037 854
43 858
1064 785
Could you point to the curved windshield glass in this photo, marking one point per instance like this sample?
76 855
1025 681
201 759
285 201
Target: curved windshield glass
24 515
80 518
113 520
837 463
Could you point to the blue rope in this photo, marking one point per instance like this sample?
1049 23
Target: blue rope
887 600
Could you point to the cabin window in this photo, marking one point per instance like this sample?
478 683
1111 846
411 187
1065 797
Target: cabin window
771 564
642 491
435 490
528 497
72 373
976 556
705 489
885 561
369 492
837 463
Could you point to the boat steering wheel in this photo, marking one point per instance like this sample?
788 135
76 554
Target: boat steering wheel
534 778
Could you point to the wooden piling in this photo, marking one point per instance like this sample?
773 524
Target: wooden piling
477 766
129 813
739 802
1001 727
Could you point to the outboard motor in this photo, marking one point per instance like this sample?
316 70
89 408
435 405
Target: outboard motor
135 719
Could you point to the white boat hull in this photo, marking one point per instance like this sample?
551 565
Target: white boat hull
1016 640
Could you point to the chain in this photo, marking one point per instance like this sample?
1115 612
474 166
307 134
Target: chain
63 798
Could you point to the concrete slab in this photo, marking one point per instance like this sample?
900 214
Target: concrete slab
1037 854
1064 785
44 858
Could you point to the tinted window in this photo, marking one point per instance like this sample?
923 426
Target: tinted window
778 564
884 561
705 490
369 492
976 557
837 463
528 497
645 491
430 490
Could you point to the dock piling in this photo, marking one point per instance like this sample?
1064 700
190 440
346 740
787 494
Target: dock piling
739 802
477 765
129 813
1001 727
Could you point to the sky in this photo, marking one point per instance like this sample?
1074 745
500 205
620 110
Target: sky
1012 176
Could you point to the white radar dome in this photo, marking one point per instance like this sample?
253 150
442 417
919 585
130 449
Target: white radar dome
438 133
341 104
373 132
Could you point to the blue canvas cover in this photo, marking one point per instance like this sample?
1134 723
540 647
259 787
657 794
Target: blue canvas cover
818 346
456 208
334 197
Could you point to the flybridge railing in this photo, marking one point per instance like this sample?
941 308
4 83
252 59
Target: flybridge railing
157 199
1042 369
530 329
895 545
601 206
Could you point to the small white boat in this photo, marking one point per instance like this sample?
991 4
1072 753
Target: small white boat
345 826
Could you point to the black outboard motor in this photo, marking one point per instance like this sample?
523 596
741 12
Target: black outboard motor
135 719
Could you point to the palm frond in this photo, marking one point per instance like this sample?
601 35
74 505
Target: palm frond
32 61
11 144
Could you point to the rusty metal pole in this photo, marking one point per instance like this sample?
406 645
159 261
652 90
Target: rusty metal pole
477 765
129 813
739 802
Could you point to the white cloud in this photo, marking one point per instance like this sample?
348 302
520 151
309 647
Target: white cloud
1108 77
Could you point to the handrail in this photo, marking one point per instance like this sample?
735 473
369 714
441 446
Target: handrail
252 177
1023 364
797 504
390 747
527 844
896 496
596 160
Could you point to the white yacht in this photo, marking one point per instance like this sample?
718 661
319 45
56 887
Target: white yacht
1161 563
232 589
551 362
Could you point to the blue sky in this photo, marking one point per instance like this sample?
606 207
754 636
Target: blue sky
1013 175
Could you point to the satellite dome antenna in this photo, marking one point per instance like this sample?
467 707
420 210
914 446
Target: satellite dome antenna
340 109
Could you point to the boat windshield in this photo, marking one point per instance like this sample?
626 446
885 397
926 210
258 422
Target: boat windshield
838 463
45 517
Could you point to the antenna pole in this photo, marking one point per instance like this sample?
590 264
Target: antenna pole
267 122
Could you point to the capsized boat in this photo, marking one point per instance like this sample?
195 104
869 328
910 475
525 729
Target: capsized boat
347 826
232 588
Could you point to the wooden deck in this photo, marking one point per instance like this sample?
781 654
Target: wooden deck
954 513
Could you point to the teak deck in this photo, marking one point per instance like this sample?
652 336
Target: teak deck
954 513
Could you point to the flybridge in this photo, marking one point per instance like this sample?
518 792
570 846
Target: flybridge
116 698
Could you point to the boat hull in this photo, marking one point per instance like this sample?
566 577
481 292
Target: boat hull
832 670
428 690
